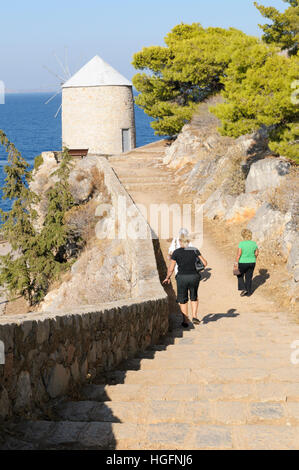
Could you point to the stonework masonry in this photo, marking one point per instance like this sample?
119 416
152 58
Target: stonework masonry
49 354
93 118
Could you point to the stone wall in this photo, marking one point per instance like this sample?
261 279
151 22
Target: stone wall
49 354
93 118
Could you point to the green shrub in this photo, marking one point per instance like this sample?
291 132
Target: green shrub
38 161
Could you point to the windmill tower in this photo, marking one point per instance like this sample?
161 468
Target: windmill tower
98 110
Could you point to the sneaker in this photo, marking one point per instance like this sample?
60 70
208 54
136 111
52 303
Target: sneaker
196 321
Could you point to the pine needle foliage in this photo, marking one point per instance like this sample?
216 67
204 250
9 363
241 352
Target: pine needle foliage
36 257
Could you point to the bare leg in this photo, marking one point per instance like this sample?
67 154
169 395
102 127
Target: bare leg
194 306
184 310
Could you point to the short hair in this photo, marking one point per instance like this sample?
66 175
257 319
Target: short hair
183 232
184 241
246 234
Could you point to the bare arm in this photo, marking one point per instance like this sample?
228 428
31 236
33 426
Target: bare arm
203 260
257 252
169 272
239 253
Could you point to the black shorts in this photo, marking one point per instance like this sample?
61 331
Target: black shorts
187 284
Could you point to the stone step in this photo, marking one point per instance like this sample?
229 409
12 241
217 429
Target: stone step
134 161
185 412
203 376
272 391
190 359
45 435
140 186
143 179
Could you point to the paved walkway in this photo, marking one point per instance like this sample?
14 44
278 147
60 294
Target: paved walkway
228 383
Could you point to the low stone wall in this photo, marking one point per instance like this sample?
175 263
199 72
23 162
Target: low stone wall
50 354
47 356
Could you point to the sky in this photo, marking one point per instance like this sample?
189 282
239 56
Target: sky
33 32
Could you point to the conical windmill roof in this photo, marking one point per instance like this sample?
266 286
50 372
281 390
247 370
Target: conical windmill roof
96 73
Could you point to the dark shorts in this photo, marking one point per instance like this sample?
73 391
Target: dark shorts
187 284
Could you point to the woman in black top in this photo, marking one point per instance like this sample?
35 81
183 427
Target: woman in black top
187 278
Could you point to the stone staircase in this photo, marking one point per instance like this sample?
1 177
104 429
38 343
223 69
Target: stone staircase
225 384
228 383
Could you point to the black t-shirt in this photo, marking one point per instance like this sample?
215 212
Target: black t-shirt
185 258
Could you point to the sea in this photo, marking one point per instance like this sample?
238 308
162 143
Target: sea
30 124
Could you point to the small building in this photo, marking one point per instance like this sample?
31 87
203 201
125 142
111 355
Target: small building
98 110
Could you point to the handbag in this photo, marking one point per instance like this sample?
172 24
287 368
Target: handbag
199 266
236 271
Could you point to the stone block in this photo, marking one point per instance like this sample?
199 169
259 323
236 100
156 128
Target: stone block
4 403
266 411
213 437
58 381
43 331
24 391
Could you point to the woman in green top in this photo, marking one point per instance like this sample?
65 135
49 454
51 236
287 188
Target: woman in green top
246 260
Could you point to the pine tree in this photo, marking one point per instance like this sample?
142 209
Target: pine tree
17 224
284 27
37 257
51 244
185 72
257 92
55 231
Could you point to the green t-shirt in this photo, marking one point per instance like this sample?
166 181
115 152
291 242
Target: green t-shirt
248 248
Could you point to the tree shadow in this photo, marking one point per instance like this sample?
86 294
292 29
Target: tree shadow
212 317
260 279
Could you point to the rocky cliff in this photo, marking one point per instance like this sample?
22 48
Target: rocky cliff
241 184
102 272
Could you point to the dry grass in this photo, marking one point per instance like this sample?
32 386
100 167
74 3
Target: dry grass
18 306
82 219
119 287
98 183
232 176
81 176
235 184
285 198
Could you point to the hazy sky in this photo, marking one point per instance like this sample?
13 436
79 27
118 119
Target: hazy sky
33 30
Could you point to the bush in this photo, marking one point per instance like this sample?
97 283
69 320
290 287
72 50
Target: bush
38 161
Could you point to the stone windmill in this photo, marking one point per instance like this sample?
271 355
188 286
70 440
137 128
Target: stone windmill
98 110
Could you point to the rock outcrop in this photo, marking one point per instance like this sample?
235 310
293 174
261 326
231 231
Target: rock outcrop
103 271
240 182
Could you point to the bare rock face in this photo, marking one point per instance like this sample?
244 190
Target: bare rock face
238 181
267 173
293 261
183 150
268 222
217 205
243 208
101 274
81 180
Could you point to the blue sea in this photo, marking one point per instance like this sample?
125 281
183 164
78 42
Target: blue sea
30 124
